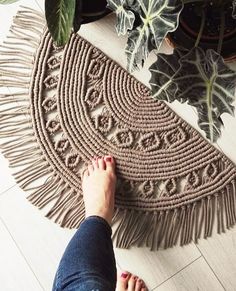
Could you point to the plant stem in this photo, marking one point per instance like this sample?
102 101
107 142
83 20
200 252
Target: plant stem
222 29
201 27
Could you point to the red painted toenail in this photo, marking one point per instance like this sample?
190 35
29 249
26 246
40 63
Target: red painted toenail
124 275
108 159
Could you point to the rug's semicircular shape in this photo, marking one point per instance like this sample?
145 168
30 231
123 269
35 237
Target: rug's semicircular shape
73 103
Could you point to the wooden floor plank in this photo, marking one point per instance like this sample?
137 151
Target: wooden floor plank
15 273
6 179
195 277
155 267
41 241
220 253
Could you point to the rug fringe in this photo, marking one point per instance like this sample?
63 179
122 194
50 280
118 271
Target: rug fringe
179 226
20 145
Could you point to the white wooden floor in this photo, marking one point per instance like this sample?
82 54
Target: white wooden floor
31 245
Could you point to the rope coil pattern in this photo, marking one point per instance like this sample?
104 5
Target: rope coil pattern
78 103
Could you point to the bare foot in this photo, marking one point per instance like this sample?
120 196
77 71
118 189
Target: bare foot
98 185
130 282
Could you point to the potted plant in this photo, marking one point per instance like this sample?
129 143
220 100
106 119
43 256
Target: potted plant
203 34
64 15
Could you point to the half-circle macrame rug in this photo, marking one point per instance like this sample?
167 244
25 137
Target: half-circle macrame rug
73 103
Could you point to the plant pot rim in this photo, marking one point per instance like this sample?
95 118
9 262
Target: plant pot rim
169 41
188 29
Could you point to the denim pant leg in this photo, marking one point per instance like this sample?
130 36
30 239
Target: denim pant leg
88 263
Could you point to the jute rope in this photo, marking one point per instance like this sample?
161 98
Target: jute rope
70 104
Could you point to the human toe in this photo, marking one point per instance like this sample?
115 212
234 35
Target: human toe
101 164
122 281
139 285
110 163
95 163
132 283
90 169
84 173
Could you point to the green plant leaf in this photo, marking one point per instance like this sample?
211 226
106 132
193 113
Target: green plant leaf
234 9
60 16
204 81
157 18
125 17
162 73
209 121
7 1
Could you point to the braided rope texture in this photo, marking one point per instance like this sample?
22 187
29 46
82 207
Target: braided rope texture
73 103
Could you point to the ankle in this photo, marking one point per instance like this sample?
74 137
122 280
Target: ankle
102 214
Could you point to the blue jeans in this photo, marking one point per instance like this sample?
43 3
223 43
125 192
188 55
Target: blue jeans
88 263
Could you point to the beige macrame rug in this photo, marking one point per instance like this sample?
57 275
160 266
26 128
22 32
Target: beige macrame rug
73 103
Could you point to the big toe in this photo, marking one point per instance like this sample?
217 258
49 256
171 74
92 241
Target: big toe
110 163
122 281
129 282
